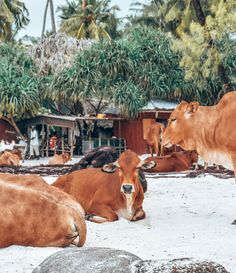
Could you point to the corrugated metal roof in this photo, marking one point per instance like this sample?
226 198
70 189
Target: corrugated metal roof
160 105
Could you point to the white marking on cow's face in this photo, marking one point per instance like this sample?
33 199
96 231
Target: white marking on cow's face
173 123
129 203
127 212
187 115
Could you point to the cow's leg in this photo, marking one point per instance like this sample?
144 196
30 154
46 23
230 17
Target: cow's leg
234 166
161 153
101 214
139 214
217 167
156 148
150 150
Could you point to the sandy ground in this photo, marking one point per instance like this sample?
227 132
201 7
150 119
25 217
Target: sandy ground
186 217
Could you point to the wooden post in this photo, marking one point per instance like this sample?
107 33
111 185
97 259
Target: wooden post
99 141
42 142
47 139
71 141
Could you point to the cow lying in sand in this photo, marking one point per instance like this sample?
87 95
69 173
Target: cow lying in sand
100 156
59 159
9 158
36 214
108 192
210 130
176 162
153 138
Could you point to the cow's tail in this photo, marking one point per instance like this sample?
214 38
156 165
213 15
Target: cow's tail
81 229
82 233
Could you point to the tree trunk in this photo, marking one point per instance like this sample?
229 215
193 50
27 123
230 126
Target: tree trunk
52 17
199 12
222 71
84 4
225 78
44 19
11 121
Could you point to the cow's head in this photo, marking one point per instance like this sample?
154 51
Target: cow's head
66 157
179 130
14 160
128 165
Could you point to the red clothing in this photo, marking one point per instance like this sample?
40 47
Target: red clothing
53 142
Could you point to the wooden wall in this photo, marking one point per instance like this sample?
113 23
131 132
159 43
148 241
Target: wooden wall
7 132
132 131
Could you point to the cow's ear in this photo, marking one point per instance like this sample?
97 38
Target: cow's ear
145 165
183 105
192 107
110 168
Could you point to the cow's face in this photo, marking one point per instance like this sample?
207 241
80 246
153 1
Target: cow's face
13 160
66 157
180 125
128 165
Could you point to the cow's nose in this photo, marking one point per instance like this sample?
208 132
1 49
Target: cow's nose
127 188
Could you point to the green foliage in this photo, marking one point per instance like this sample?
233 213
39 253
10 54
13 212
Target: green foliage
153 14
209 51
129 72
13 17
19 87
97 20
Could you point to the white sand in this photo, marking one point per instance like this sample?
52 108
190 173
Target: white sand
186 217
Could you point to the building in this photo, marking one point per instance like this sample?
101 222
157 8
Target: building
7 132
134 131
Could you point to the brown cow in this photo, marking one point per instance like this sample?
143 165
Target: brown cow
36 214
153 138
108 192
210 130
59 159
176 162
9 158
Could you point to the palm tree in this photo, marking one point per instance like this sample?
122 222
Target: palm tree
19 86
51 15
13 17
88 19
152 14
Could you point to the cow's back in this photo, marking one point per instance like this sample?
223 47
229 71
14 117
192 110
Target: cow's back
36 213
153 133
32 219
84 184
178 161
56 160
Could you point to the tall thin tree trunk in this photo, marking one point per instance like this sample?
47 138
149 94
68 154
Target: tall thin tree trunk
84 4
199 12
222 71
11 121
52 17
44 18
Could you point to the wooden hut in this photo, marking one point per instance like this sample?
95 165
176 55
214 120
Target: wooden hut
7 132
70 127
134 131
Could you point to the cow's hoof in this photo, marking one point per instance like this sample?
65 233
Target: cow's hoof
234 222
89 217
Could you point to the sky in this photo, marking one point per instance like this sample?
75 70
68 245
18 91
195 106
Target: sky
36 10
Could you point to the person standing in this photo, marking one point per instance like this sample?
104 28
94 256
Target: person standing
34 143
